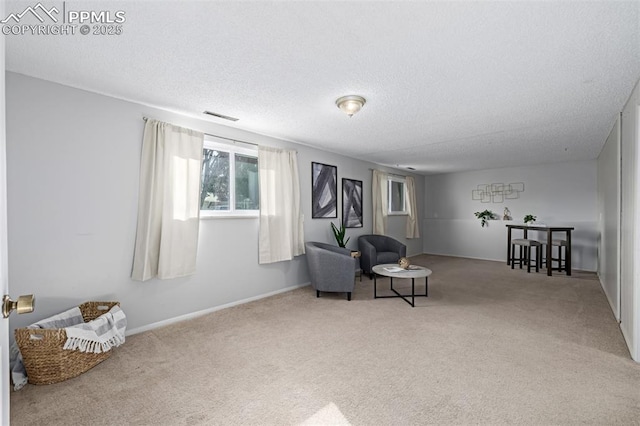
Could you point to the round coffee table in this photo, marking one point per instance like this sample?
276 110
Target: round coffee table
392 271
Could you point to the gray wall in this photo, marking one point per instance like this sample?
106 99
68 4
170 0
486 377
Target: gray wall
629 224
561 194
609 218
73 163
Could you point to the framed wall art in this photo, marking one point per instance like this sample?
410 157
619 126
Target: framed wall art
351 203
324 191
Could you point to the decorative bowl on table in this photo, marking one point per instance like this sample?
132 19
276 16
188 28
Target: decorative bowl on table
404 263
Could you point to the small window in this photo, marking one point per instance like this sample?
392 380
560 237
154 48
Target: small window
396 195
229 180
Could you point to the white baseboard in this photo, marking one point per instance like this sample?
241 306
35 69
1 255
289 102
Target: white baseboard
495 260
466 257
209 310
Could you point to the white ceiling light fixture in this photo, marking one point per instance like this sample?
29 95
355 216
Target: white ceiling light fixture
350 104
224 117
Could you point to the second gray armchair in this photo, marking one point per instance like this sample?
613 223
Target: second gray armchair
378 249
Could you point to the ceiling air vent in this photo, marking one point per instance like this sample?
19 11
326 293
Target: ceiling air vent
224 117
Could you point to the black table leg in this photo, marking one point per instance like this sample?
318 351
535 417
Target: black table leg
549 252
567 259
404 297
508 246
375 291
413 292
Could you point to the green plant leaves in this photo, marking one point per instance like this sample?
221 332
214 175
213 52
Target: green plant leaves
484 216
339 234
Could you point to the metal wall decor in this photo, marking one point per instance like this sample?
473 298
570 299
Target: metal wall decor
497 192
351 203
324 191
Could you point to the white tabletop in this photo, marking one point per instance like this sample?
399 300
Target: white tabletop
383 269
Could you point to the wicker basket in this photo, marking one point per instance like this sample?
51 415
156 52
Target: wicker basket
42 354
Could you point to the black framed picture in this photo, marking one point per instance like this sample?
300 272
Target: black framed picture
324 191
351 203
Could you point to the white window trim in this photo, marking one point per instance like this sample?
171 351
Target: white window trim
390 181
211 142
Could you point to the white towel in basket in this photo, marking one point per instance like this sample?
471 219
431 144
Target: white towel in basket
98 335
67 318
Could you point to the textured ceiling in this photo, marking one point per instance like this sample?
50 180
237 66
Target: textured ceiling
450 86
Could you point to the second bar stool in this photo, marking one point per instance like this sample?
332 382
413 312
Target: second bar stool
561 260
562 263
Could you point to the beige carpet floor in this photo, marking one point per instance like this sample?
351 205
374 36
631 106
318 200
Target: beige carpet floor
490 345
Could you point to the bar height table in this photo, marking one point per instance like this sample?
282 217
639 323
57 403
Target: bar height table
549 230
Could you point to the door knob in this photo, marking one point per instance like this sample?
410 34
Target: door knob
23 305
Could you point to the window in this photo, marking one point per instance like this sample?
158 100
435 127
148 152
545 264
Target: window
229 180
396 195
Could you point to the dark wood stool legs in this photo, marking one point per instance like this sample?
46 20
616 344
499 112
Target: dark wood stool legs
525 256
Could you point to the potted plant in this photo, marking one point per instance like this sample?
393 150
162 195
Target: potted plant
339 233
529 219
484 216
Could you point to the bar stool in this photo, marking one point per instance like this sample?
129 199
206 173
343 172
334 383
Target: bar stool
522 242
562 263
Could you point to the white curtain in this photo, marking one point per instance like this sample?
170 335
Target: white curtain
281 221
168 203
412 208
379 191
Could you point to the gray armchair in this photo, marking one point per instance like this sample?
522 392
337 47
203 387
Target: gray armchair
332 269
378 249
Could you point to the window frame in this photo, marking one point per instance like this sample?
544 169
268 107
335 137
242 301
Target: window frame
390 180
233 149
